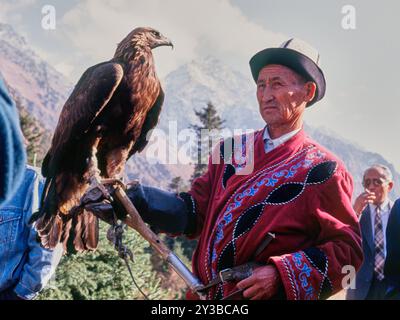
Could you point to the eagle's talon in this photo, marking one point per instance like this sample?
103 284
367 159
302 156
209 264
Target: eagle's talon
93 195
113 182
100 190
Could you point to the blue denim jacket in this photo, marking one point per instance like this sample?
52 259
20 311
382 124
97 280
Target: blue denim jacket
12 150
24 264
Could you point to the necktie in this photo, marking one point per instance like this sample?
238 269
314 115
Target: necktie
379 245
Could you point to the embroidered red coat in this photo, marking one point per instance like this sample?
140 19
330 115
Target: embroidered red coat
301 193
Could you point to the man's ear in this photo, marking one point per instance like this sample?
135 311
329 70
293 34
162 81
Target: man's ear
390 185
311 88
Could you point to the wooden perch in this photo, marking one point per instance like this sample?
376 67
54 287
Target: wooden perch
135 221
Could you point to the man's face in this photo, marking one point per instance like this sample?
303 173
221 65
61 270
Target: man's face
282 95
375 181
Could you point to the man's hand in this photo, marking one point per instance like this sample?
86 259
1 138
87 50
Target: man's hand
362 201
263 284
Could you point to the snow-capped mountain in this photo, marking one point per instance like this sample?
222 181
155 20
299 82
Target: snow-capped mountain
192 86
40 88
188 88
43 91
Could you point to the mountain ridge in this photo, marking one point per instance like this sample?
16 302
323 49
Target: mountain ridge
188 88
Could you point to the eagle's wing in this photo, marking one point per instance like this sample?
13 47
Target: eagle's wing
91 94
150 122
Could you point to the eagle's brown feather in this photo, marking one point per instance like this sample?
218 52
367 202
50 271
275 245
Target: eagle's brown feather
113 106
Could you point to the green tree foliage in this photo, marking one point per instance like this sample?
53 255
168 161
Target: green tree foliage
37 138
209 120
102 275
177 185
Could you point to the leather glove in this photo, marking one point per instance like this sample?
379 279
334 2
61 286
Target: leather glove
162 210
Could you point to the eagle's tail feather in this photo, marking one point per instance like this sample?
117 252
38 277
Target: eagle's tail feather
90 234
77 230
78 233
48 221
49 231
83 231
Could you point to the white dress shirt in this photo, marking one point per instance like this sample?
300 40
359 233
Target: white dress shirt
271 144
385 212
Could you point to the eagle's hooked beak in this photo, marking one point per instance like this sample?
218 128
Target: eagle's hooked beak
163 41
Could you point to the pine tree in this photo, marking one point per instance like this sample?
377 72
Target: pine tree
102 275
177 185
209 120
37 138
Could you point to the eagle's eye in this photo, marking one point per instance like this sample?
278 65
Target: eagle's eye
155 33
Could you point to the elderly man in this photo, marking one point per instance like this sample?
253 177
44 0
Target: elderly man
290 220
379 223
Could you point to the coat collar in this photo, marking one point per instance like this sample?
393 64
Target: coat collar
366 227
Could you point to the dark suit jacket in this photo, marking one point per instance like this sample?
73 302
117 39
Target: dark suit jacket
392 263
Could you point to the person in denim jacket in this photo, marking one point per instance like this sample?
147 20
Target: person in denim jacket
25 267
12 150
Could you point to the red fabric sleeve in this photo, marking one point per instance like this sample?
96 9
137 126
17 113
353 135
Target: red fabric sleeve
316 272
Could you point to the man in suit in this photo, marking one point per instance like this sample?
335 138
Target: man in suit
374 208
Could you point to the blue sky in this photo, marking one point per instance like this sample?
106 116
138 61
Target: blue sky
361 65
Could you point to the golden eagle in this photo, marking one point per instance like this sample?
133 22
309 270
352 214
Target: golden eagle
104 121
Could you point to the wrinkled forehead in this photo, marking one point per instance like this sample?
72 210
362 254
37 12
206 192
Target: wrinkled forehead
375 173
278 71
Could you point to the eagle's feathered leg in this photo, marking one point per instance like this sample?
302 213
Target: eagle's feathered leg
85 224
93 173
116 161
